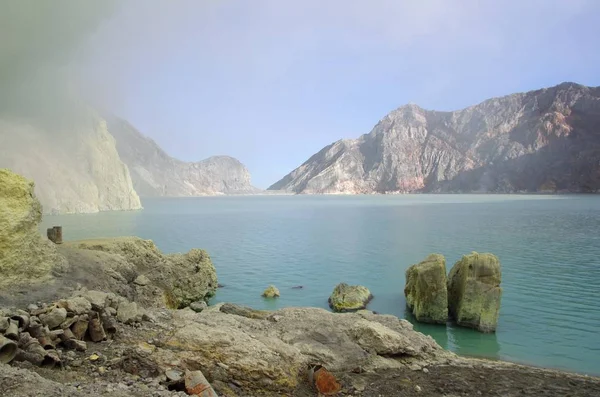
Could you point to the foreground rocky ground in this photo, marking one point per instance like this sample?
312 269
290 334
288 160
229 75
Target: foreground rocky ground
245 352
113 317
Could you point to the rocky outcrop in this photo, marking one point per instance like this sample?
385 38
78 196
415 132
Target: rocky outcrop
426 290
348 298
155 173
180 278
474 292
539 141
25 256
271 292
75 164
127 266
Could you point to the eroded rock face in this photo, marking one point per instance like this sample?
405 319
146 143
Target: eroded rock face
25 256
539 141
271 353
474 292
426 290
75 165
176 280
348 298
155 173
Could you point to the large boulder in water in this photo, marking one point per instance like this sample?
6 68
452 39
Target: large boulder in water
474 291
25 256
426 290
348 298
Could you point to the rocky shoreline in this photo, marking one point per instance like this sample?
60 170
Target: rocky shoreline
118 317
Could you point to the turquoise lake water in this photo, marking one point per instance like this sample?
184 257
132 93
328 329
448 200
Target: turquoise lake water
549 247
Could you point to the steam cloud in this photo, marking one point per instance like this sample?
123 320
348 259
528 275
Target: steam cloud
39 39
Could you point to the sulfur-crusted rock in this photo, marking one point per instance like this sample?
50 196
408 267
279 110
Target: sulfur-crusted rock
25 256
474 292
174 280
54 318
426 290
271 292
347 298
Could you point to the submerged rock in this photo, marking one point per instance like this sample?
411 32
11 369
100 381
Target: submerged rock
271 292
426 290
347 298
25 256
474 292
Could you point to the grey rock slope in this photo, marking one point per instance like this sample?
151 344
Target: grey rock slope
155 173
540 141
75 165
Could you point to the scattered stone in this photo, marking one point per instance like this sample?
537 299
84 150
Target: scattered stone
142 280
271 292
54 318
174 375
95 330
76 305
128 313
418 388
98 299
348 298
94 357
426 290
32 307
69 321
474 292
425 370
198 306
80 327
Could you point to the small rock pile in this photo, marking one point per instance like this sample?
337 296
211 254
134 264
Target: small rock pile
40 333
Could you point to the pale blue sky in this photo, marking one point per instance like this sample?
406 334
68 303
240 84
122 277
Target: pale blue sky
271 82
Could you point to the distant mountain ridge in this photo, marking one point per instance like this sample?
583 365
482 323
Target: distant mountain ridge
546 140
85 164
75 165
155 173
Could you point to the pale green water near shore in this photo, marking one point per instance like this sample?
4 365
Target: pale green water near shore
549 247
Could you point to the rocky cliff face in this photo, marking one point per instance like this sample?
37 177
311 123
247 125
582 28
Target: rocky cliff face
25 256
540 141
75 165
155 173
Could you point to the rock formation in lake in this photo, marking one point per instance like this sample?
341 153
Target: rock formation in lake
426 290
155 173
539 141
25 256
474 292
348 298
74 163
271 292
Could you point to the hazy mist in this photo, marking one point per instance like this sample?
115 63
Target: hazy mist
271 82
